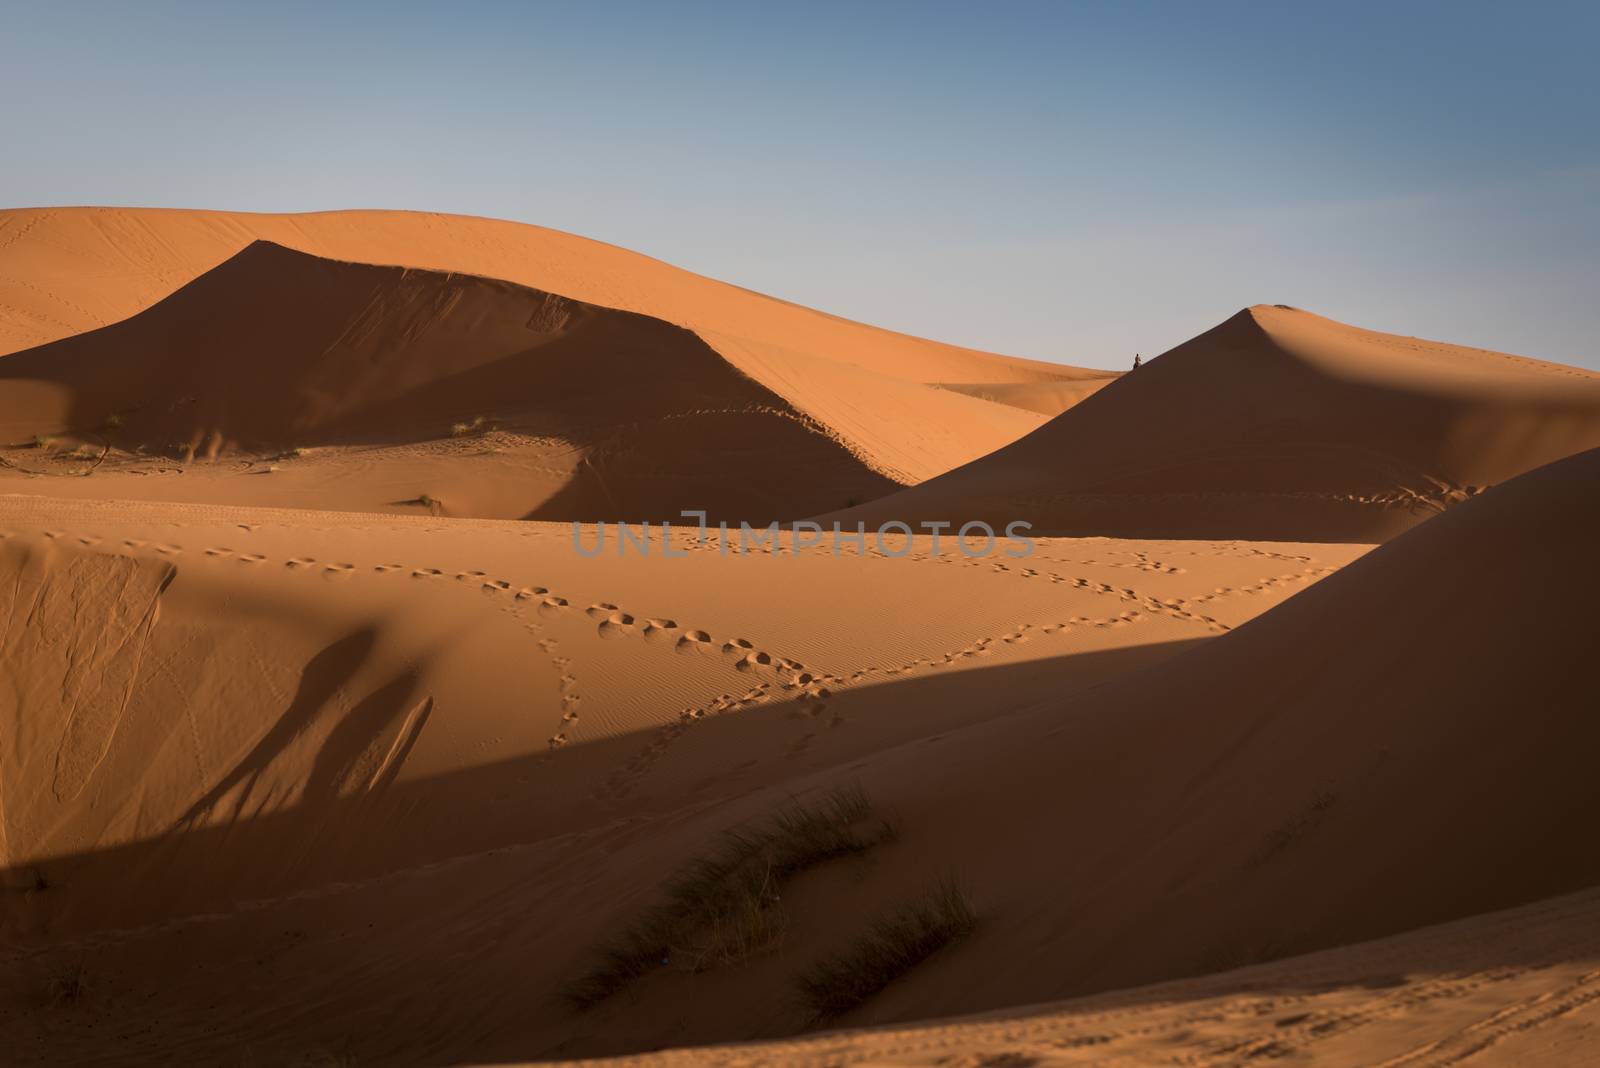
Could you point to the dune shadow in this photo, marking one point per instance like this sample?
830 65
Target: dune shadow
579 820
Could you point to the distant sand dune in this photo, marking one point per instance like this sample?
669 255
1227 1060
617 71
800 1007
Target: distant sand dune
67 270
1276 424
321 742
581 412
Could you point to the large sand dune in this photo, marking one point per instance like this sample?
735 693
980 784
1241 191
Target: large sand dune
350 379
1130 791
197 318
310 754
1276 424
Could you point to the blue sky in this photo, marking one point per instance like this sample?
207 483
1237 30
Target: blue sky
1070 181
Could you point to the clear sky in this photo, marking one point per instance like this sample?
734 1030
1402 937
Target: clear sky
1069 181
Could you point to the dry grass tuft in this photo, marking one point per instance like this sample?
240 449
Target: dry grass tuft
725 908
68 985
891 947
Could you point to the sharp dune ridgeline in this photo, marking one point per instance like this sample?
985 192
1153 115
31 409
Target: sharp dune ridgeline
194 278
1275 424
321 744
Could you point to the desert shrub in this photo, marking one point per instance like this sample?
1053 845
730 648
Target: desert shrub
723 908
892 946
68 985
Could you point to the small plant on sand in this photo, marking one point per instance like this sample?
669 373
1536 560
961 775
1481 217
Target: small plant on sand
724 908
478 425
891 947
43 441
113 422
68 985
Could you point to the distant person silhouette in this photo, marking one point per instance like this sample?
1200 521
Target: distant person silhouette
1137 362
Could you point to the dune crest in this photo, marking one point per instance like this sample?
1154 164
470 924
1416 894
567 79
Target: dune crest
545 407
1276 424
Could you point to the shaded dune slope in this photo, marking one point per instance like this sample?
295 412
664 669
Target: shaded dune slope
1339 768
1276 424
1330 772
275 349
65 270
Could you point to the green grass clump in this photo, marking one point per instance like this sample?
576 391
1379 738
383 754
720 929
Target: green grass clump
725 908
892 946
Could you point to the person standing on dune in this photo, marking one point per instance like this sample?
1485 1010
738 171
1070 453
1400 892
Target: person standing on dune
1137 362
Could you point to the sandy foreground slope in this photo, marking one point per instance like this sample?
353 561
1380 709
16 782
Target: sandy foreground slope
227 717
1276 424
67 270
1513 988
310 784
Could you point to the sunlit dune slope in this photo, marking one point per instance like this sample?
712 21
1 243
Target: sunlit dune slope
66 270
308 679
1276 424
543 406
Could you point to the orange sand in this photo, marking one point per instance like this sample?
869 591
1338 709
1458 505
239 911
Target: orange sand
320 744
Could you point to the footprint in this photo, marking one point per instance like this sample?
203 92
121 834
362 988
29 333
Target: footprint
170 550
602 609
528 593
251 558
339 570
659 630
496 586
468 576
299 561
384 569
752 661
694 641
219 551
616 625
552 605
737 645
426 572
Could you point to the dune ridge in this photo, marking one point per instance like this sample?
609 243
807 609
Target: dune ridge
1203 825
73 273
276 353
323 741
1275 424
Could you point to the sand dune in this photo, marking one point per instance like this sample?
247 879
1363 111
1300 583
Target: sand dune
305 381
1302 783
67 270
226 716
862 418
1276 424
341 628
318 745
410 716
1514 988
1046 398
